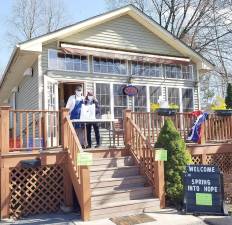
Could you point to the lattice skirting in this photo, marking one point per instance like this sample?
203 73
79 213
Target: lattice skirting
36 190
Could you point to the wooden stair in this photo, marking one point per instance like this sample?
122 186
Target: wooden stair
118 189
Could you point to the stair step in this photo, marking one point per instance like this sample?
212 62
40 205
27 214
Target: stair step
124 171
124 208
110 196
113 162
116 183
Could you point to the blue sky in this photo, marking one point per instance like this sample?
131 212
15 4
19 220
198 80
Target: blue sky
77 9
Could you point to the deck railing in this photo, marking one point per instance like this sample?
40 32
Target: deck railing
79 175
215 129
29 129
143 153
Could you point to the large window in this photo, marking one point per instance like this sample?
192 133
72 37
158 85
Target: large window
155 92
187 99
103 97
61 61
179 71
173 71
146 69
111 66
140 100
120 101
173 96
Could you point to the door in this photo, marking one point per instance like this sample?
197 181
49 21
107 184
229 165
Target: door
51 117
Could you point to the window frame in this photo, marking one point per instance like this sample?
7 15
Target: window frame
147 76
147 101
127 98
74 71
171 78
190 88
116 74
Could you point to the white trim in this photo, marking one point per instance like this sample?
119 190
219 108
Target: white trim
148 98
40 82
180 100
112 100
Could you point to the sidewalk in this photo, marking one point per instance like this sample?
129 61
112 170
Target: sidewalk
162 217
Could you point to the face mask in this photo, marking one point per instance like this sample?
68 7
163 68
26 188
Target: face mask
90 98
78 93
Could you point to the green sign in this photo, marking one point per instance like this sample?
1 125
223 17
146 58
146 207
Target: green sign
161 155
204 199
84 159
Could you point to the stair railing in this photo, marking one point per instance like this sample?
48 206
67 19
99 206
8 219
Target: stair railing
79 175
143 152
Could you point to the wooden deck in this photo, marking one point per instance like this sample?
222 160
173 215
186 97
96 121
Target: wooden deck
58 154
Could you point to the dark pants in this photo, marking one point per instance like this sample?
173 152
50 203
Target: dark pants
96 131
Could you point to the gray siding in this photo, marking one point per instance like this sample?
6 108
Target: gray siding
27 97
123 33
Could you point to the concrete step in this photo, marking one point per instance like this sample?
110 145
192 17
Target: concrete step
112 162
100 197
117 183
124 171
124 208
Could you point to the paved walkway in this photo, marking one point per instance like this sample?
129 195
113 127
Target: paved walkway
163 217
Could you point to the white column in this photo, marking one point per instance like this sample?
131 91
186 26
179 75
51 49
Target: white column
180 100
112 99
148 98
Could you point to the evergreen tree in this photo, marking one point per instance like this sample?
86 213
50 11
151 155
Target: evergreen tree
228 99
178 157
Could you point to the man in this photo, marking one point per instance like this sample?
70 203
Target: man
74 105
89 100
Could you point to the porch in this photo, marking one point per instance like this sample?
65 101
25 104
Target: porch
35 134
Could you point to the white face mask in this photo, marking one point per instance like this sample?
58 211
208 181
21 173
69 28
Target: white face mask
90 98
78 93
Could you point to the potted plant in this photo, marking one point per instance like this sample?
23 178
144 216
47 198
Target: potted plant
220 107
163 109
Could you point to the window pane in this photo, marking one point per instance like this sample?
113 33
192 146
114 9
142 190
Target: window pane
173 96
61 61
120 100
145 69
111 66
155 92
187 98
140 100
173 71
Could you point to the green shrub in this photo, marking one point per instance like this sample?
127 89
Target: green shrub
178 157
228 99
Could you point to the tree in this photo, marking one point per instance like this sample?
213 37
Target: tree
178 157
228 99
204 25
31 18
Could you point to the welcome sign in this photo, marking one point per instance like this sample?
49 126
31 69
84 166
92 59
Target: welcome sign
203 189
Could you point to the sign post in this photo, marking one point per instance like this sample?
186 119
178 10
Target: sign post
203 190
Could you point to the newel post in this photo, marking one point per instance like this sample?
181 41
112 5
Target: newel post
4 128
64 114
127 127
4 171
202 138
160 182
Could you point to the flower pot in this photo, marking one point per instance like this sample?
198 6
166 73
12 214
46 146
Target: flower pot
166 112
223 112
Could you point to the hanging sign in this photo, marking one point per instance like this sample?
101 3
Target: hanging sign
203 189
130 90
84 159
161 154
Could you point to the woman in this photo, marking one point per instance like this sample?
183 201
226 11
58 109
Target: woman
89 100
74 105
